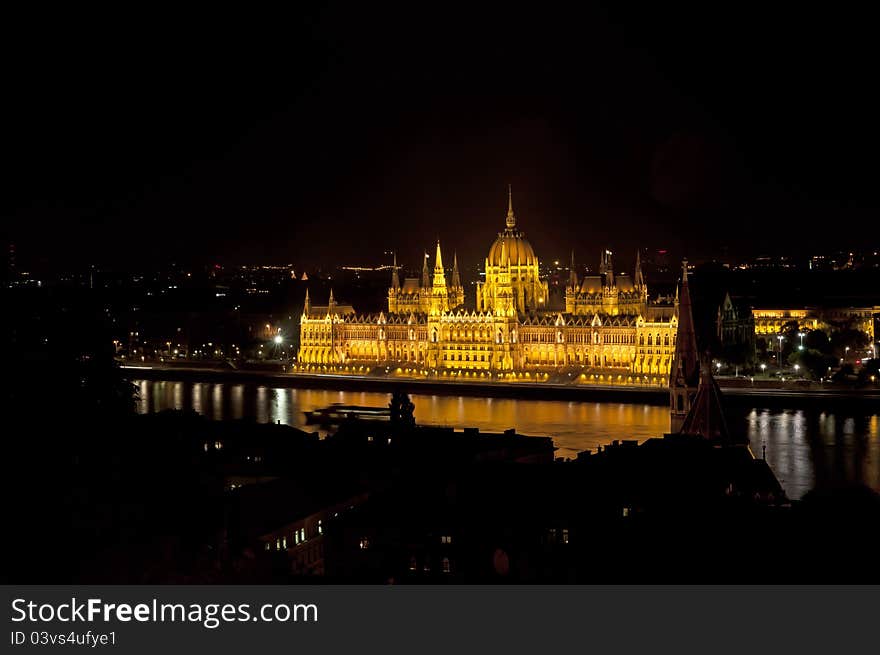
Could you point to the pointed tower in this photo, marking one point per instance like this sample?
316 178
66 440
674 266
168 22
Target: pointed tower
684 377
456 291
331 310
706 416
307 305
511 217
638 279
571 288
439 275
609 270
439 294
426 279
395 280
640 287
394 289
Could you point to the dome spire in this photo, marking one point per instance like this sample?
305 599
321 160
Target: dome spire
511 217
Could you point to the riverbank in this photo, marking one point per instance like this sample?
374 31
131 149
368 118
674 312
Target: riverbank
734 395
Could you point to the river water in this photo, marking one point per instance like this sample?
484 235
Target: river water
805 448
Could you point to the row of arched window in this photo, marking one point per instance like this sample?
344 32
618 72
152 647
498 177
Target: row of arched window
654 340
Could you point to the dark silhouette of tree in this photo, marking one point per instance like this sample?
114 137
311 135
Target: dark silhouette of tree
814 363
849 338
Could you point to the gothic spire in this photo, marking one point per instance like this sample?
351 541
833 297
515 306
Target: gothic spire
426 278
686 361
395 280
639 279
456 279
572 274
684 376
438 265
706 415
307 305
331 301
511 217
609 269
439 274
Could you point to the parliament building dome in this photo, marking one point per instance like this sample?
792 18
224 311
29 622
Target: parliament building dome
511 247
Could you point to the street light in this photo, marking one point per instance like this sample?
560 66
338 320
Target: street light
801 335
278 339
763 368
779 352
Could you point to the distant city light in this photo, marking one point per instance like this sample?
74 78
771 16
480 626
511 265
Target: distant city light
278 339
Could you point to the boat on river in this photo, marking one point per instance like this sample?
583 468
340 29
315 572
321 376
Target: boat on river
338 413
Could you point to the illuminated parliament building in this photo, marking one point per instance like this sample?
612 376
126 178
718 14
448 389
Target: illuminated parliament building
609 330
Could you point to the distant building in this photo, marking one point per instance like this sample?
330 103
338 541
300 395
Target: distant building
735 330
772 320
608 330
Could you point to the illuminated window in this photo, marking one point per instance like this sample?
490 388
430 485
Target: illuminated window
284 542
320 527
302 534
364 544
446 539
565 535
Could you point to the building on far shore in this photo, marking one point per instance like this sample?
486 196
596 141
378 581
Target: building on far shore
610 329
772 320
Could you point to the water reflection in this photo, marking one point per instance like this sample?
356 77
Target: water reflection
804 448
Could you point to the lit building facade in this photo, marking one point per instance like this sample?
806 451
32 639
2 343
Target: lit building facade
609 330
772 321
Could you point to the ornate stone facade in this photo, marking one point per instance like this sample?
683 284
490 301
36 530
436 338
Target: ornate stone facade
609 330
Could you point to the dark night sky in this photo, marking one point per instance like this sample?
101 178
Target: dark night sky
332 135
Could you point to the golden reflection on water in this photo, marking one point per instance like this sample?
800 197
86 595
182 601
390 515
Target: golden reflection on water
803 448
